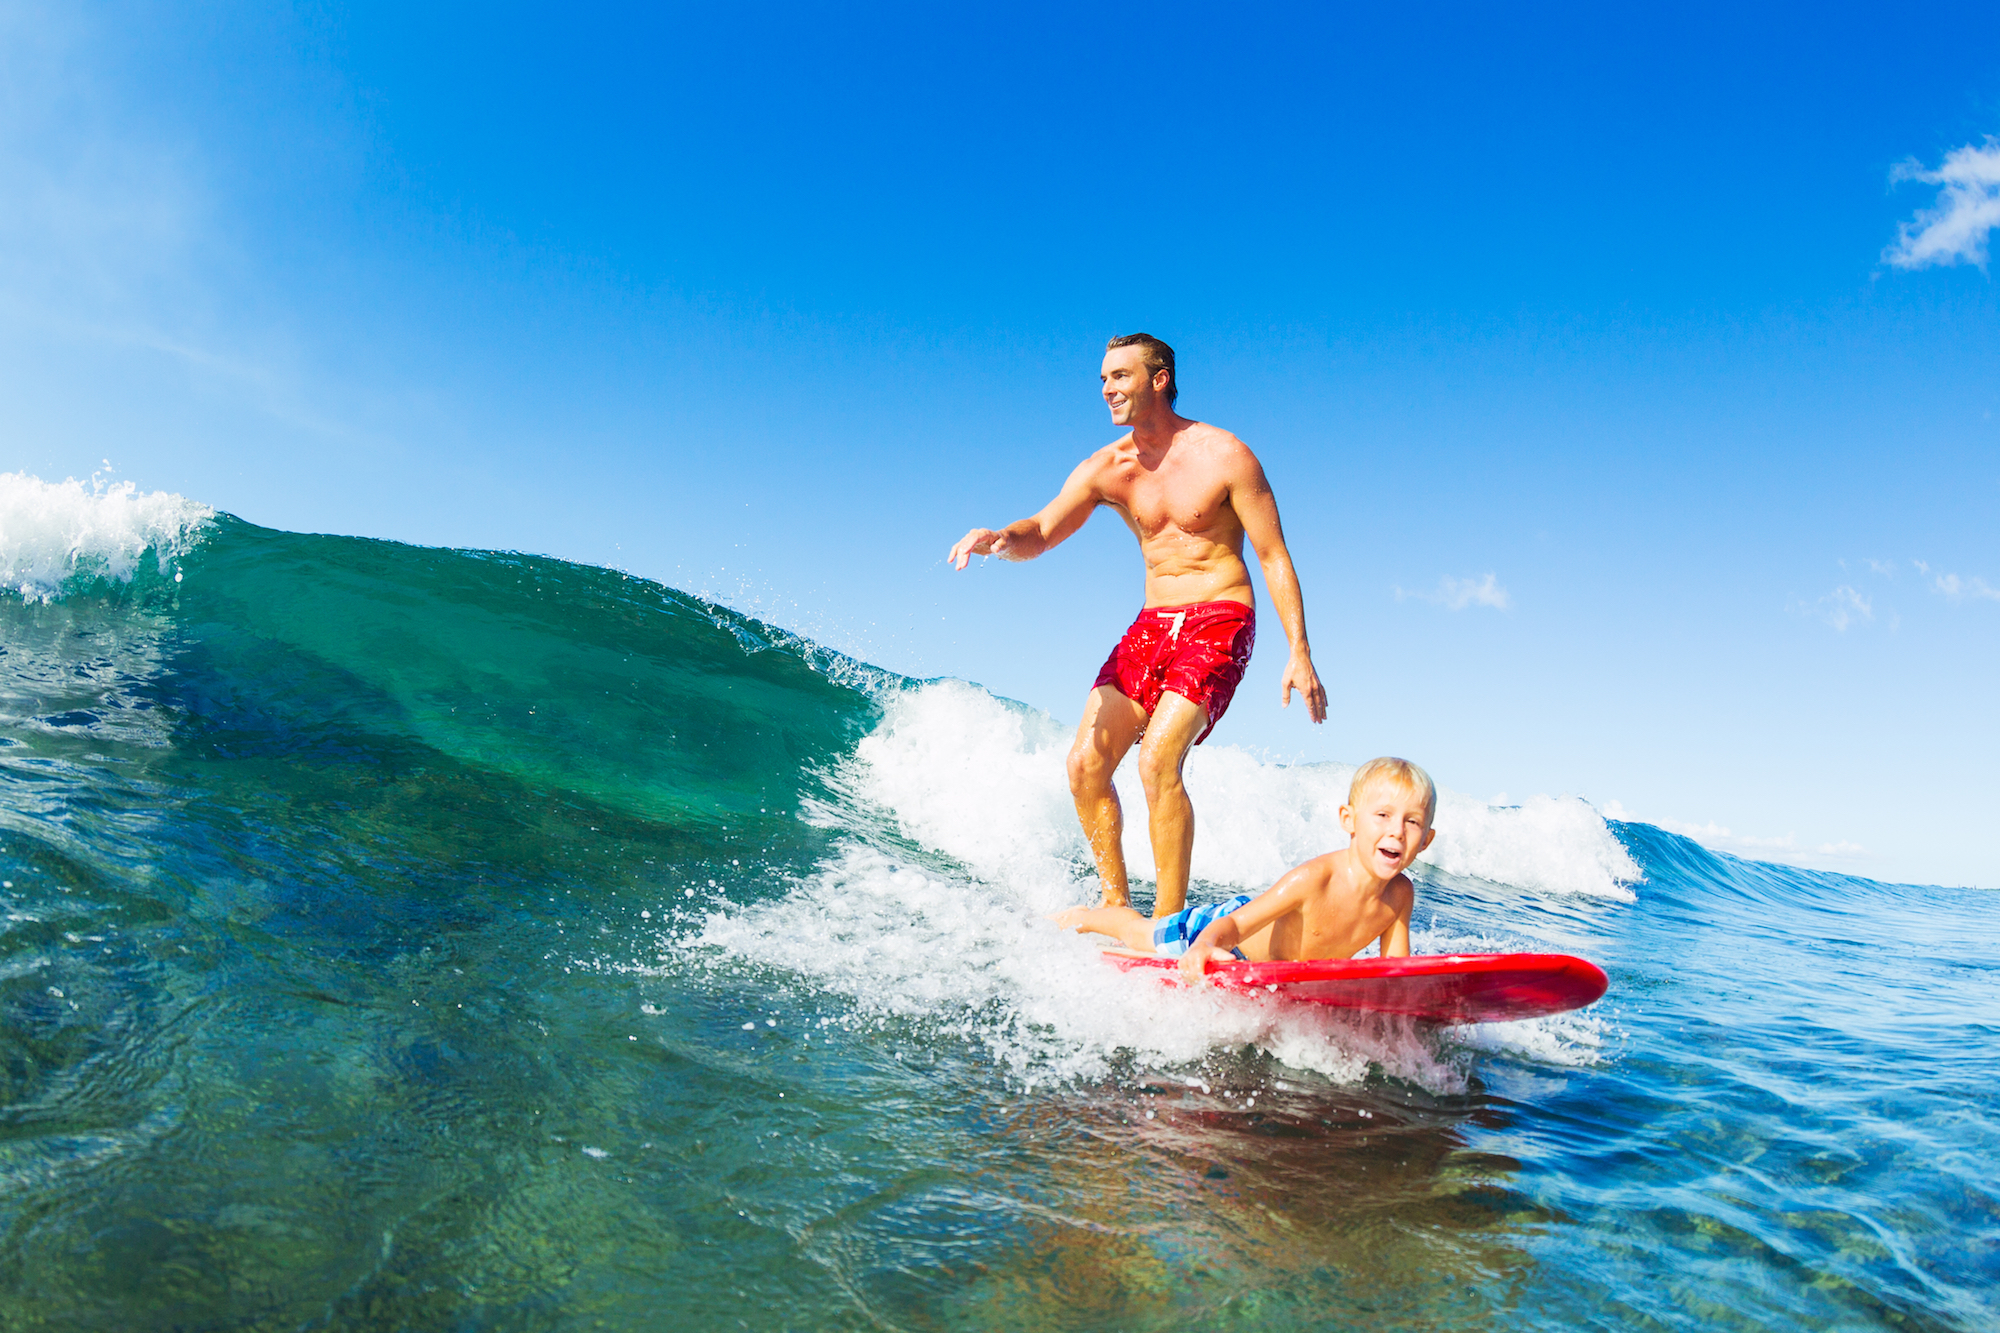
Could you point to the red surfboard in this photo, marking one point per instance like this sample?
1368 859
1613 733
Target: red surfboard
1438 988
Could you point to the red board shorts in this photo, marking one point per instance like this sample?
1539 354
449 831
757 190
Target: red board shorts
1198 651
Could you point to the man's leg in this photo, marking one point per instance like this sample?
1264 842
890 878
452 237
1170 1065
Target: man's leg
1170 815
1111 722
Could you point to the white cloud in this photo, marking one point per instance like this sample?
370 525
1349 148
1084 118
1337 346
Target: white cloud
1958 589
1955 230
1783 848
1844 606
1713 834
1457 594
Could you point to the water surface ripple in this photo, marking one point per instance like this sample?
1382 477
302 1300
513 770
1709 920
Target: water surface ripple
417 939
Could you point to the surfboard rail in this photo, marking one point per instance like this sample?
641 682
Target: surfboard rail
1437 988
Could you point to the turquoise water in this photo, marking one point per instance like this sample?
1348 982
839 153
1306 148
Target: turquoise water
401 938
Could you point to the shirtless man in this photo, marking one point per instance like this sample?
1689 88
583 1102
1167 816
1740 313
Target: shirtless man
1190 493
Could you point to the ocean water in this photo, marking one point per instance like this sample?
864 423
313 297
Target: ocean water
395 938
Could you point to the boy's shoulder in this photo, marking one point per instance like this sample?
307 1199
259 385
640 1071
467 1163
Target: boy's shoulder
1322 872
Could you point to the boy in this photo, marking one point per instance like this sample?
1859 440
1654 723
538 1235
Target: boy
1327 908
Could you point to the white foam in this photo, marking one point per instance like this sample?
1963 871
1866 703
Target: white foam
1552 844
979 963
1576 1039
51 533
983 781
978 779
965 948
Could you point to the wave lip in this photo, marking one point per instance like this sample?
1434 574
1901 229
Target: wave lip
980 779
53 534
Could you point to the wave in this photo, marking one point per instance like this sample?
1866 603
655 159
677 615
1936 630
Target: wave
958 839
492 879
906 839
67 535
982 779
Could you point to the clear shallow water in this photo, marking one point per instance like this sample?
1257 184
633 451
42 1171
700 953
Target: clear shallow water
404 938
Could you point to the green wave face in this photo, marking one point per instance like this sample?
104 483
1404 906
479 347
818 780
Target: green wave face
328 873
565 679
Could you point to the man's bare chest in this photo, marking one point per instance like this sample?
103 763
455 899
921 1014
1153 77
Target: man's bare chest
1189 503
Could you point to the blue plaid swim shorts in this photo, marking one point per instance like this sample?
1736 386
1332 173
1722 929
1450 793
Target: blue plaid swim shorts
1173 934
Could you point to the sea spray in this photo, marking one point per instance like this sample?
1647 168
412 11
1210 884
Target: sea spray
979 965
962 938
983 780
58 535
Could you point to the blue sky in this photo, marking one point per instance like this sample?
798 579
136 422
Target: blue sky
1617 456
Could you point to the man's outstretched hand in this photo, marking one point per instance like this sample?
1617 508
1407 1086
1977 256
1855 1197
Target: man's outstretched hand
979 541
1299 675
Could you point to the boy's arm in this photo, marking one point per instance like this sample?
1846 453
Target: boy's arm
1396 939
1214 943
1029 537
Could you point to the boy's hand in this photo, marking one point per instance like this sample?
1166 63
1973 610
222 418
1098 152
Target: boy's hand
1194 963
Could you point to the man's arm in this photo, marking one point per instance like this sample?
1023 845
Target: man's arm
1257 509
1029 537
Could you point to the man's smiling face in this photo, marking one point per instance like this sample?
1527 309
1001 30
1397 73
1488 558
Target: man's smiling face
1389 824
1128 389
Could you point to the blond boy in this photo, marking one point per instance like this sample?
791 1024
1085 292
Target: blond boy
1330 907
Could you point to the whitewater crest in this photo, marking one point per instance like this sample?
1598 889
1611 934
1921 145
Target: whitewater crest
982 780
958 839
53 534
979 963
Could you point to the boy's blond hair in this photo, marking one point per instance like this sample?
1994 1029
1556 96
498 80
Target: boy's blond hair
1401 772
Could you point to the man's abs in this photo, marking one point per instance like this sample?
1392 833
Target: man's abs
1175 577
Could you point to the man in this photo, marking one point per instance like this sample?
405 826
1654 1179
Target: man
1190 493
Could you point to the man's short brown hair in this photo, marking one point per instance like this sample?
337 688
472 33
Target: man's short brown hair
1157 357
